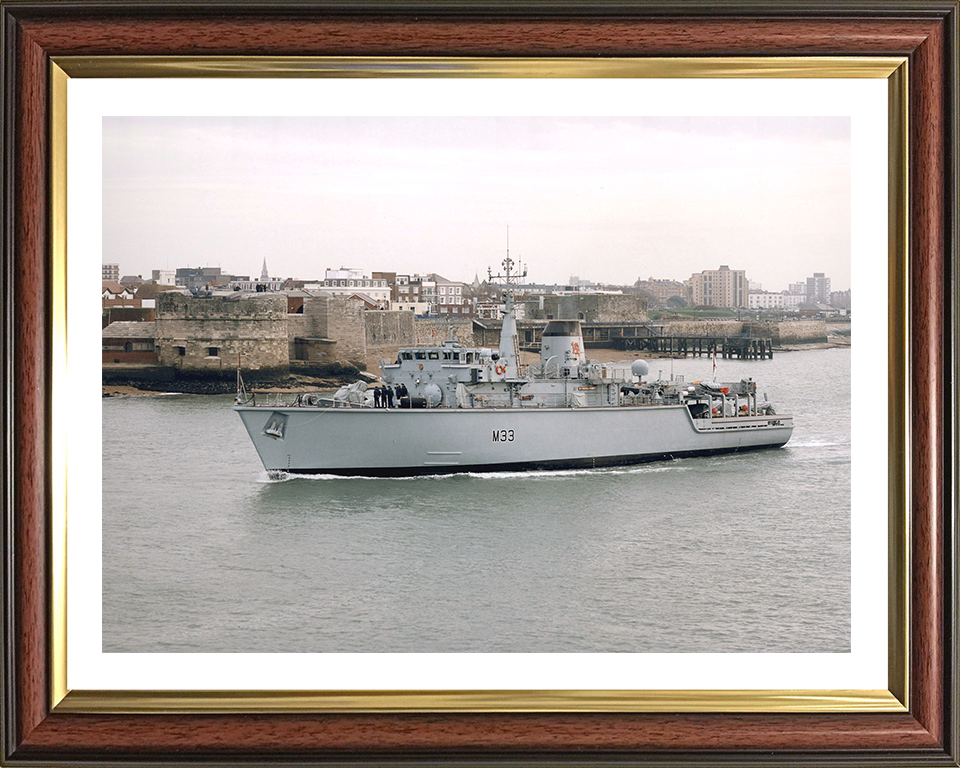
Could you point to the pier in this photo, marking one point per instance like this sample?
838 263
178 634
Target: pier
728 347
642 337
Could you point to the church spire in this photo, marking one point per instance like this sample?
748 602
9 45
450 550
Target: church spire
264 275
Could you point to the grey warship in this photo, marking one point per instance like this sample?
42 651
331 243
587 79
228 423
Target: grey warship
480 410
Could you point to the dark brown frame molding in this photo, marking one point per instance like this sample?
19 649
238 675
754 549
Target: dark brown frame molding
924 31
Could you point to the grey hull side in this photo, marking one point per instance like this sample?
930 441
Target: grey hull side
400 442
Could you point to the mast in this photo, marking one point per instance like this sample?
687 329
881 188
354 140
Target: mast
509 342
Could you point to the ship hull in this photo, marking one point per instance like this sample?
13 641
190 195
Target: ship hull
404 442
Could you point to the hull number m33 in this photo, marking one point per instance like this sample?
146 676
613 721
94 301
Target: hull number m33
503 435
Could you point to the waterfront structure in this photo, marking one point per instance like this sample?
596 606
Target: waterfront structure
722 287
204 335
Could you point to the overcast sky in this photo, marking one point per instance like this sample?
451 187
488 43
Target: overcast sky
607 199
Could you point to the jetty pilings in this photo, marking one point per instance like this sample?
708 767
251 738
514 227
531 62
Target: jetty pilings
727 347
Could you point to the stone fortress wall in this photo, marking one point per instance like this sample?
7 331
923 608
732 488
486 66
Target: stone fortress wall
210 334
435 331
205 335
588 307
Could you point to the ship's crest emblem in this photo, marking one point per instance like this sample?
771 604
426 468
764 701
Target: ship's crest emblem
276 426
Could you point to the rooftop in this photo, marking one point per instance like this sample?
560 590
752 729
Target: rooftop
129 329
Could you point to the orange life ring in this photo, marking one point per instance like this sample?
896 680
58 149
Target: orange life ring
501 369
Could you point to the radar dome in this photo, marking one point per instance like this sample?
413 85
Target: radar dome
639 368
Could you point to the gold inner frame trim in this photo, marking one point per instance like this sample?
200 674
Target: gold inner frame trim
893 69
898 387
430 67
59 405
727 701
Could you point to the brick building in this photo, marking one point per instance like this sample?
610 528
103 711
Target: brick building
113 294
128 342
661 290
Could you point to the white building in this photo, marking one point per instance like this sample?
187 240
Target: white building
792 300
163 277
765 300
417 307
343 283
270 284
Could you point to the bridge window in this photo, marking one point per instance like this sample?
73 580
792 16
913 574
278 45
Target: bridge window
406 356
433 355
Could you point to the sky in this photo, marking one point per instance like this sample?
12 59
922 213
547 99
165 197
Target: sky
609 199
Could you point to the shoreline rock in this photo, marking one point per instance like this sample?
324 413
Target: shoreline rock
292 384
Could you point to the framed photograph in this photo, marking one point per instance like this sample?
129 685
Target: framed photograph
871 91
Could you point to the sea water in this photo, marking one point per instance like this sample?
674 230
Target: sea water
202 552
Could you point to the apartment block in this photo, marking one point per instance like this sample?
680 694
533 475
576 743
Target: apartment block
722 287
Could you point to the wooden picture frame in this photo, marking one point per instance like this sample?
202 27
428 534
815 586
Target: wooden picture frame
37 731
